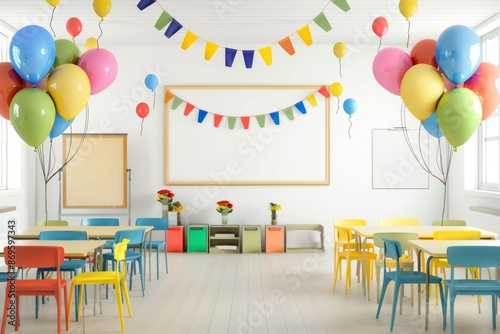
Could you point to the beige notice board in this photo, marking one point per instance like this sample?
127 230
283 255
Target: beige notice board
96 175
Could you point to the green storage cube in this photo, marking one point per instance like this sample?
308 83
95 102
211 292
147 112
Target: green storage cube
251 239
197 238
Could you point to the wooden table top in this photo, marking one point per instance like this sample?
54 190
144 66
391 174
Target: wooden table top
93 232
438 248
72 248
425 232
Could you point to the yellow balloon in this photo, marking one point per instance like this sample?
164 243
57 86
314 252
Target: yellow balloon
69 87
421 88
53 3
336 89
408 8
339 49
102 8
91 43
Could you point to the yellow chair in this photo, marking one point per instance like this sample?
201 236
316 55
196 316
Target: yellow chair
449 222
52 223
116 277
398 222
348 254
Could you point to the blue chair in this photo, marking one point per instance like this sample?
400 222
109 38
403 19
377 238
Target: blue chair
71 266
136 237
471 256
102 222
159 224
401 275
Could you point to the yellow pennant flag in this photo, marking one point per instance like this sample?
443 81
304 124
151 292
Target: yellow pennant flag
266 55
305 34
210 49
189 39
312 100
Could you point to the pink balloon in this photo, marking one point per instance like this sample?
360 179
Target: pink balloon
101 68
389 67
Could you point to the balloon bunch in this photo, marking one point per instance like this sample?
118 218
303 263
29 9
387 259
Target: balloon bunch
443 83
380 27
339 50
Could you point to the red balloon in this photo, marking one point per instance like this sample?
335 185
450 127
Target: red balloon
424 52
10 84
380 26
74 26
485 82
142 109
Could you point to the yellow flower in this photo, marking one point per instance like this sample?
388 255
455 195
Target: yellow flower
274 206
178 206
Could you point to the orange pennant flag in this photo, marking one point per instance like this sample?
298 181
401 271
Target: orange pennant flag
287 45
266 55
189 39
168 96
217 119
210 49
305 34
245 120
312 100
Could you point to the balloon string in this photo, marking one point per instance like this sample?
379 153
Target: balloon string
338 104
100 29
340 67
379 44
408 37
350 126
142 122
51 18
73 40
154 98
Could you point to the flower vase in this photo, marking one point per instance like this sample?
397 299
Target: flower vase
225 219
179 223
164 211
274 217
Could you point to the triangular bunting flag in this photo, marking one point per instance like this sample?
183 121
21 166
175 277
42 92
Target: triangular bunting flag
301 107
312 100
210 49
177 102
173 28
189 107
342 4
289 113
168 96
246 121
201 115
305 34
230 54
189 39
261 119
324 91
231 121
275 117
266 55
163 20
248 57
322 22
143 4
217 119
287 45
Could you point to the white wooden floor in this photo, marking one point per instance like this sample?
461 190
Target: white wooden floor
254 293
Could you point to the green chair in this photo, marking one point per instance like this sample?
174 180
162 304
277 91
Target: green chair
449 222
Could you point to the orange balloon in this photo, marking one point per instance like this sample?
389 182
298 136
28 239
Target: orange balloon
10 84
424 52
485 82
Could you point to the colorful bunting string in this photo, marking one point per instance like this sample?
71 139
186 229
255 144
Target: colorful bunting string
245 119
265 52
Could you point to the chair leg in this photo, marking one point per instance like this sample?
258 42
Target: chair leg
493 311
337 269
119 302
382 295
166 260
397 288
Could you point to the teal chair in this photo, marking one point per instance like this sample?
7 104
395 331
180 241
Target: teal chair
102 222
471 256
71 266
136 237
401 276
159 224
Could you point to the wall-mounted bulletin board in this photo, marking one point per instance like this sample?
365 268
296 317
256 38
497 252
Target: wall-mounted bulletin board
393 163
296 152
96 177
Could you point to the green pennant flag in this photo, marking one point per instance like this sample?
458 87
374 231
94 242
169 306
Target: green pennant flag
322 22
177 102
261 119
231 120
163 20
342 4
289 113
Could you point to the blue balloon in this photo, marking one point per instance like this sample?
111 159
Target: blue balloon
431 125
350 106
151 81
32 53
60 125
458 53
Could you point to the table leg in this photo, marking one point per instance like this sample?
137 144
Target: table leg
427 280
149 251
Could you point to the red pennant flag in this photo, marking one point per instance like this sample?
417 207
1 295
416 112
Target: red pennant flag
324 91
168 96
246 121
217 119
189 107
287 45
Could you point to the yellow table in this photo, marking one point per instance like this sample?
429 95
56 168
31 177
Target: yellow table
437 249
72 248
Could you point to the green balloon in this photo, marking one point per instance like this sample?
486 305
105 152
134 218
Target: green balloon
66 53
458 114
32 114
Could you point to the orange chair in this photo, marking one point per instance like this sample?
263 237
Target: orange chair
34 257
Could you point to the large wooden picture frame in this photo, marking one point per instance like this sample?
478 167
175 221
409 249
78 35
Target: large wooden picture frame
296 152
96 177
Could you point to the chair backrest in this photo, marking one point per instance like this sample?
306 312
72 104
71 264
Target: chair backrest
119 255
100 222
349 222
34 256
473 256
402 238
398 222
135 236
457 235
449 222
344 234
392 251
157 223
62 235
52 223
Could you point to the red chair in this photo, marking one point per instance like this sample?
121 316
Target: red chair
33 257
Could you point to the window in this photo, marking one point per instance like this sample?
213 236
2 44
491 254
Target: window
489 130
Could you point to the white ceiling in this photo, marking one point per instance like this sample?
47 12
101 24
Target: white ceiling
252 23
